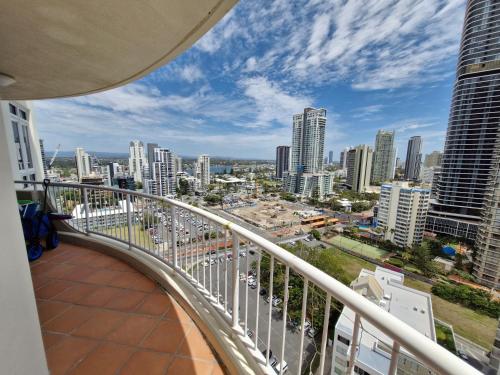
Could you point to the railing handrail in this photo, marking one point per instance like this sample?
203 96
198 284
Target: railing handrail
424 349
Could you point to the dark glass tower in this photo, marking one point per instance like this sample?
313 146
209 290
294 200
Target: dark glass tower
473 125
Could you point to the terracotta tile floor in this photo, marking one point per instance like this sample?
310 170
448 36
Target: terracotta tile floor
100 316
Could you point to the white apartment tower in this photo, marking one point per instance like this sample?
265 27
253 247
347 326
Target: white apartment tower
83 166
359 166
137 160
162 177
308 141
202 170
384 157
402 213
306 176
373 351
22 140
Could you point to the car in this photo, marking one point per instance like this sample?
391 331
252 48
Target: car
462 355
266 298
253 285
252 252
243 254
273 361
249 333
312 332
276 302
263 292
277 367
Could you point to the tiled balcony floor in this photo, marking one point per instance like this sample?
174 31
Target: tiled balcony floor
100 316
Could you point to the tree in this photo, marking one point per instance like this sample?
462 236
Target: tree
288 197
213 199
422 258
183 186
149 220
316 234
138 185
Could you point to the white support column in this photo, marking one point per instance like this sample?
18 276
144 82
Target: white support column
21 346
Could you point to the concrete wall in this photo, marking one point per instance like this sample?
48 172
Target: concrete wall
21 347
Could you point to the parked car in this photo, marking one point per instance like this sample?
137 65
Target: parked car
462 355
312 332
263 292
249 333
277 367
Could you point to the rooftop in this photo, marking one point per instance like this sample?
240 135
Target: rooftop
101 316
409 305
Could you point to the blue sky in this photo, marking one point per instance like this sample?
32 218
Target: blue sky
372 64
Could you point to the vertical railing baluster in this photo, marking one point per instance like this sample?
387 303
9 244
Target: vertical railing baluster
197 254
218 261
285 308
174 237
270 311
225 269
354 342
203 249
257 307
246 292
86 209
129 221
235 280
302 323
210 261
394 358
324 339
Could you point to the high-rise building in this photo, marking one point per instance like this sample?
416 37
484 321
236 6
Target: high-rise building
487 260
162 179
151 153
306 176
433 159
386 289
202 170
343 158
178 164
282 161
136 160
22 140
413 158
44 159
308 141
359 166
330 157
384 157
402 212
114 169
473 127
82 163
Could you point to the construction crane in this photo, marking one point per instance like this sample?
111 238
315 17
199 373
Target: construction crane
54 156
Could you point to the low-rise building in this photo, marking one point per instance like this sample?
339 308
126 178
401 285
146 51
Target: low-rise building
402 212
385 288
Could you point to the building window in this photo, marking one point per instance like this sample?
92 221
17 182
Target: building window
12 109
27 146
17 143
23 114
343 340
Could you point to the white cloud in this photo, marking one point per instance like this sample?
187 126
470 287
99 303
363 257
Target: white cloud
272 102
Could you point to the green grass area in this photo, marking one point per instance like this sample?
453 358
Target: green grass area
476 327
350 264
140 237
358 247
444 337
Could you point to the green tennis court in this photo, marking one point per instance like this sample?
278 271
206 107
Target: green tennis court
358 247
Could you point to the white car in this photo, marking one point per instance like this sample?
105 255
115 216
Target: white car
276 302
278 366
312 332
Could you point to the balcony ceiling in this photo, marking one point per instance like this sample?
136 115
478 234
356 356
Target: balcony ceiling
59 48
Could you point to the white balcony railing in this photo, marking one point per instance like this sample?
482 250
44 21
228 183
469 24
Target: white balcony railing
208 251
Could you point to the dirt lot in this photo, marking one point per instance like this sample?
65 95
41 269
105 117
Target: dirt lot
272 215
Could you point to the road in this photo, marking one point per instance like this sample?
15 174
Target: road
476 354
292 338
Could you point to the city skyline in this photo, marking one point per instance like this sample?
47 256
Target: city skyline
190 107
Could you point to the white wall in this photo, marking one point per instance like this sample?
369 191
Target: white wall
21 347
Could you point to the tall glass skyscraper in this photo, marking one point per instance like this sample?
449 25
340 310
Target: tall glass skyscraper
473 126
384 157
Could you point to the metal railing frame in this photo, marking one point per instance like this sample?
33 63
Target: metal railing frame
404 336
